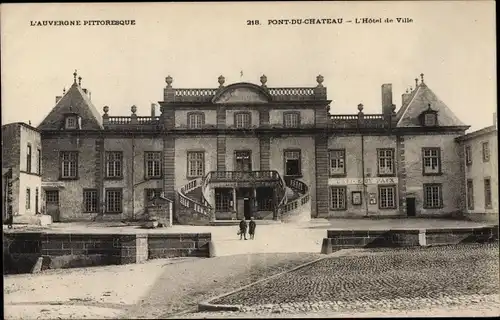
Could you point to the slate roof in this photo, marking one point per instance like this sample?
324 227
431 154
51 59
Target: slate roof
76 101
418 102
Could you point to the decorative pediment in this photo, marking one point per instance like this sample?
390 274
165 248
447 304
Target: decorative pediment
242 93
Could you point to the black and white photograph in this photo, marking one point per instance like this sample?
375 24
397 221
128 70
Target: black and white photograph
281 159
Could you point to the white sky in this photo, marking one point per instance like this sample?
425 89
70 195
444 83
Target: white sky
452 43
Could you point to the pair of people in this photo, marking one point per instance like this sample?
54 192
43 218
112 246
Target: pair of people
243 229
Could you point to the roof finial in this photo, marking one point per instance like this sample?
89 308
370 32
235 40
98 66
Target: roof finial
422 77
416 82
411 88
64 91
74 76
80 81
406 90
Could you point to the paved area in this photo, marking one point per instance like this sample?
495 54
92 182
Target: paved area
155 289
382 280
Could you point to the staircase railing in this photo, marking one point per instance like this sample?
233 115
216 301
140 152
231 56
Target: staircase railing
203 207
302 200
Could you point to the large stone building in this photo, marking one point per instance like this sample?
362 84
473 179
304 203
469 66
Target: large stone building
481 174
21 172
244 150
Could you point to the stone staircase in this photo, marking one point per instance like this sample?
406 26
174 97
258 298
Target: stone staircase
193 208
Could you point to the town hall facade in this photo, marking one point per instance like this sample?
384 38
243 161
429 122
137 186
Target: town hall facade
249 150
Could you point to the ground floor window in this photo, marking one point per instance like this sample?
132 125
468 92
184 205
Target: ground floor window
265 197
487 193
28 198
223 199
150 194
52 196
114 200
90 200
338 197
433 196
470 195
387 197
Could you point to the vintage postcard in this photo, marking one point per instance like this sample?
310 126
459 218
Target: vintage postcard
249 159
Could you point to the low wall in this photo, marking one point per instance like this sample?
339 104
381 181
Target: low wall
341 239
23 250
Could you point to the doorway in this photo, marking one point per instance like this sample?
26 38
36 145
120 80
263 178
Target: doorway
52 204
411 209
243 160
247 208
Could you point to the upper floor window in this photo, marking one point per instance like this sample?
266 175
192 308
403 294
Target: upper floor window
196 164
486 151
292 163
152 164
39 161
468 155
385 162
242 119
291 119
337 162
69 164
28 159
431 161
433 198
196 120
114 164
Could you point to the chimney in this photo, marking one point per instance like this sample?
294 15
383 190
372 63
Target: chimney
58 98
153 110
386 98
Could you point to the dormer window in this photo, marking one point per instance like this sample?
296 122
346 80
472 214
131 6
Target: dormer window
428 118
72 121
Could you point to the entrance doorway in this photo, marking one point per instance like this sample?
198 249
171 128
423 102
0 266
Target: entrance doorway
52 204
243 160
244 198
411 209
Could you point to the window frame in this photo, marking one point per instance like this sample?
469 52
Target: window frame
285 151
288 114
393 163
249 153
425 200
61 166
439 161
85 208
488 196
39 161
241 113
485 151
394 195
468 155
67 122
188 163
195 114
470 194
107 207
160 163
108 161
330 202
340 174
229 199
27 205
29 156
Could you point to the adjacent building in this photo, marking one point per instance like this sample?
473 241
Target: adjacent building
481 172
245 149
21 172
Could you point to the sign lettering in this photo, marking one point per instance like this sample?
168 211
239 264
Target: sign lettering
357 181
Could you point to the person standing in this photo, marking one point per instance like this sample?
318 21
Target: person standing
251 228
243 229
